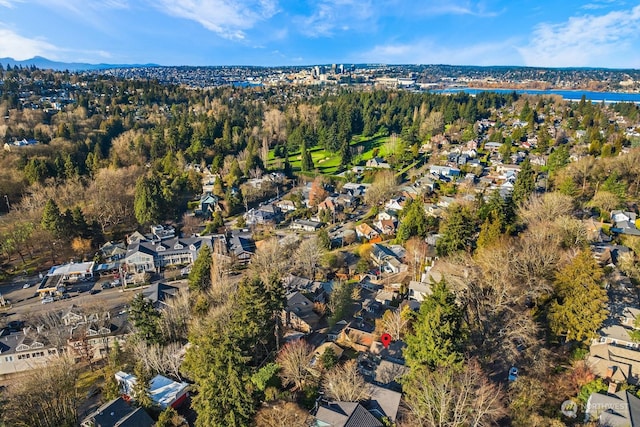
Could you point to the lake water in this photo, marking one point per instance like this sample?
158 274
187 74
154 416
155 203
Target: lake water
570 95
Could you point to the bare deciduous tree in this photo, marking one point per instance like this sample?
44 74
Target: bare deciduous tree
271 258
383 184
450 397
344 383
394 323
295 362
308 256
282 414
45 397
546 208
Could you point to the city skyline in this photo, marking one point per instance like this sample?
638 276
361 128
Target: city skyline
602 33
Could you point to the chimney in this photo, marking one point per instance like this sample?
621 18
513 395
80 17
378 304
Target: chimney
610 371
613 388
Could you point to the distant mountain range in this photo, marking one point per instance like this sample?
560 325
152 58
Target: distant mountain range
44 63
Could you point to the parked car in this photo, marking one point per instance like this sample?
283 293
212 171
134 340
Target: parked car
26 285
513 373
94 291
115 283
47 300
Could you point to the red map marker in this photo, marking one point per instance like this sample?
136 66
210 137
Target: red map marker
386 340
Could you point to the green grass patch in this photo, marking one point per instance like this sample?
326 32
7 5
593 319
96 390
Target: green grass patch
88 379
328 163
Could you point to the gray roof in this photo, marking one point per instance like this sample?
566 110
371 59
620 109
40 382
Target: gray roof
621 409
241 242
383 401
346 414
303 308
169 246
117 413
159 292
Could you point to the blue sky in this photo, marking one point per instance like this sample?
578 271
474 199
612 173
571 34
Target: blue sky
554 33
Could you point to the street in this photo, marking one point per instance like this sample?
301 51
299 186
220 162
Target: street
24 303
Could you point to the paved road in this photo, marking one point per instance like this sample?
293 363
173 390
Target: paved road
25 304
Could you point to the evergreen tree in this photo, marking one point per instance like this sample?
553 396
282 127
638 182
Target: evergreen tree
140 391
490 232
222 382
147 203
306 161
200 275
324 239
52 220
145 319
525 183
580 301
414 221
345 154
438 333
456 231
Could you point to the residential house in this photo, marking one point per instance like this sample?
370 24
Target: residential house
364 231
208 181
383 402
159 293
153 255
345 414
445 201
617 327
163 232
385 297
356 336
387 227
625 223
377 162
285 205
444 171
298 313
386 259
241 247
93 340
113 251
26 350
264 214
118 413
134 237
163 391
387 374
346 201
328 204
335 333
354 189
418 291
387 215
208 204
614 409
308 287
492 146
319 352
306 225
614 363
396 204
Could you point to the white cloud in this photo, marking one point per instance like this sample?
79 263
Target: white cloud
457 7
589 40
9 3
429 52
228 18
18 47
332 16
